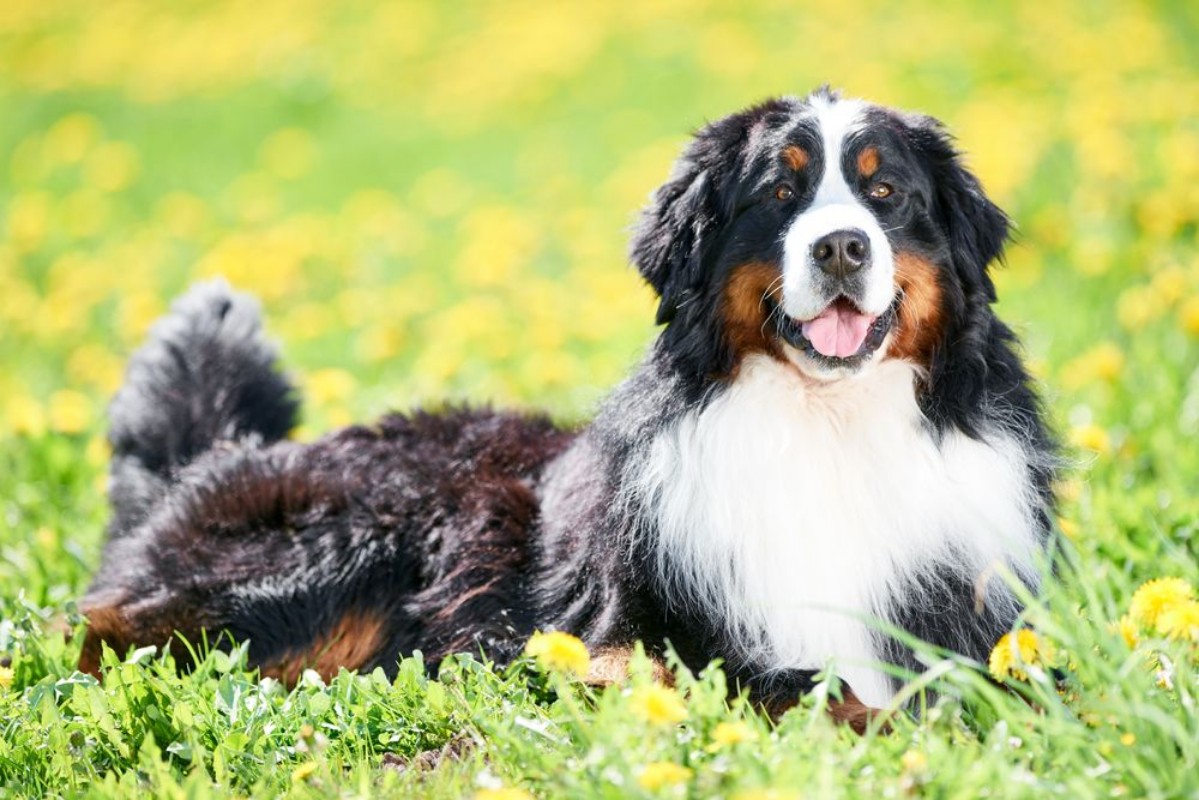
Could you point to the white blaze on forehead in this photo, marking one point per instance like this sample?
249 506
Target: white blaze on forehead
835 207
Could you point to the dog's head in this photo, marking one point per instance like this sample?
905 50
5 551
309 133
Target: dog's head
826 232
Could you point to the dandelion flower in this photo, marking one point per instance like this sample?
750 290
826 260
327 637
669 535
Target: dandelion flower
69 411
727 734
914 761
1180 621
1157 596
1091 437
559 652
1018 650
658 705
303 772
1188 316
661 774
766 794
6 676
506 793
1128 629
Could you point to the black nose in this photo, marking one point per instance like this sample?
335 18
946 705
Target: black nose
842 252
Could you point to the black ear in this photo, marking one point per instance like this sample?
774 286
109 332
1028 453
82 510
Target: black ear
685 215
667 244
977 228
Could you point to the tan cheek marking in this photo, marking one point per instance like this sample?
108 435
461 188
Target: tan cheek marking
921 320
744 309
868 161
795 156
352 642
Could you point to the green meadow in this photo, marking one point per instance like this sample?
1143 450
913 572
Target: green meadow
432 201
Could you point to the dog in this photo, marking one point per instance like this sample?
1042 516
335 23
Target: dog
831 448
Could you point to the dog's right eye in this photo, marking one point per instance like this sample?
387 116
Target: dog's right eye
783 192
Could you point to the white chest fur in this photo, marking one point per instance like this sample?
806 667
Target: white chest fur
797 511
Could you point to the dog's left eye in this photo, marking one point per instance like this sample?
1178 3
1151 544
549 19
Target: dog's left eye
881 191
783 192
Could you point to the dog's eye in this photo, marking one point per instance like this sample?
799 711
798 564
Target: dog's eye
783 192
880 191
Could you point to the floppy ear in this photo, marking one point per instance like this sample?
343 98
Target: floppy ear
977 228
668 242
677 230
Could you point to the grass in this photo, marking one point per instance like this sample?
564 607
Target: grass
434 204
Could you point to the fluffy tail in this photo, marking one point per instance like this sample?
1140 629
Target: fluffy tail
205 375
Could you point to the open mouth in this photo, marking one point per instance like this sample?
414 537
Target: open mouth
840 336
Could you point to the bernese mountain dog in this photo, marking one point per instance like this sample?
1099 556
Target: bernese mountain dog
831 449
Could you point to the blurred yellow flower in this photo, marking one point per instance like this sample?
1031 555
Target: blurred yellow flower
1014 652
727 734
1091 437
1180 621
766 794
1188 316
6 677
303 772
1155 597
658 705
1129 631
1103 362
28 219
1170 284
69 139
1068 527
914 761
24 415
112 166
559 652
69 411
506 793
1138 306
662 774
330 385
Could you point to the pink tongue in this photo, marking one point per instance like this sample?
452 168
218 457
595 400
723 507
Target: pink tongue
838 332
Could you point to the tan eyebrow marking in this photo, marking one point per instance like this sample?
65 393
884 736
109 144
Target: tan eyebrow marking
868 161
795 156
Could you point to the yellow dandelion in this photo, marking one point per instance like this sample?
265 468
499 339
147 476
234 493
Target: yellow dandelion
658 705
727 734
6 676
1128 739
1103 362
1016 651
303 772
662 774
329 386
1188 316
1180 621
559 652
1068 527
914 762
1091 437
1155 597
69 411
505 793
766 794
25 415
112 167
1128 629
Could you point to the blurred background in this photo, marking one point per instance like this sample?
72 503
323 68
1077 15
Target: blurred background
432 199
